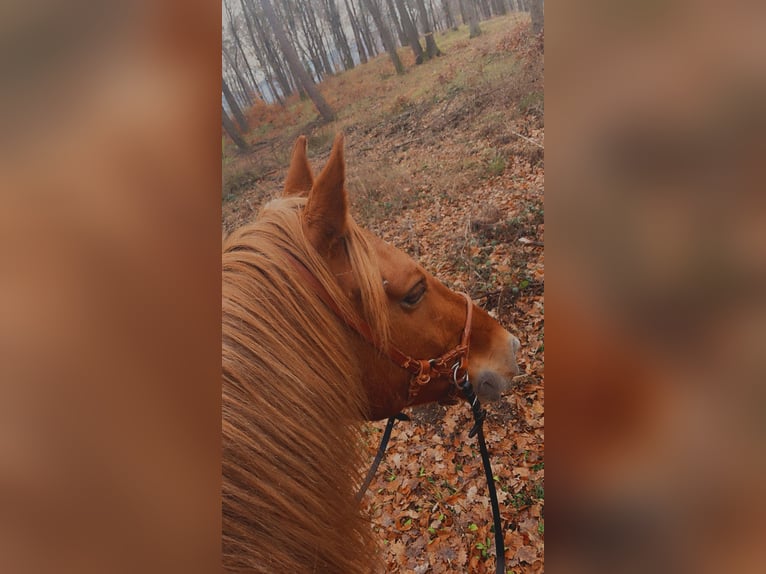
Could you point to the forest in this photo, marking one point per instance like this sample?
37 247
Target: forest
272 49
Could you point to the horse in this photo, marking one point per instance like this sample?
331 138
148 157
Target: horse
320 321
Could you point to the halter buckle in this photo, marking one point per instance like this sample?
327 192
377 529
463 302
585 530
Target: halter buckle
423 379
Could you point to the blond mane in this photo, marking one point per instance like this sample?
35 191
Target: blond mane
292 401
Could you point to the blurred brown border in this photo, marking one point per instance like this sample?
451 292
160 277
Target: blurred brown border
110 346
656 276
110 230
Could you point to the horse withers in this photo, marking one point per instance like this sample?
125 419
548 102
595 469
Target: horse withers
325 325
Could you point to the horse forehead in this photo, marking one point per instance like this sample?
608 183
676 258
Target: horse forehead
393 261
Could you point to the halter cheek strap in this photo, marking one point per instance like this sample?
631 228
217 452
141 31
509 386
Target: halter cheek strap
452 364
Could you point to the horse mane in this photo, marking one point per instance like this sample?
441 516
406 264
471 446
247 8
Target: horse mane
291 402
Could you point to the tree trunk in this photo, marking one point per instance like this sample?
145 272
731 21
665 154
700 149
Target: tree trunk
271 54
240 81
432 50
449 19
241 95
385 35
410 31
537 13
357 33
260 52
463 14
232 132
308 46
473 18
397 23
247 10
486 11
252 84
312 30
372 47
341 42
294 63
234 107
241 50
436 23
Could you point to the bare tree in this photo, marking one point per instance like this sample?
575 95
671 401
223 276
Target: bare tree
468 9
537 14
248 9
239 51
313 37
463 15
432 50
341 42
385 34
448 17
363 15
233 67
357 32
232 132
394 17
234 106
486 11
436 21
410 31
293 62
364 25
268 49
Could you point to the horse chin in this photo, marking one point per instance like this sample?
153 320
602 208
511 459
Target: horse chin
490 386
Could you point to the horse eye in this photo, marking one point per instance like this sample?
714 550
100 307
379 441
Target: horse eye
415 295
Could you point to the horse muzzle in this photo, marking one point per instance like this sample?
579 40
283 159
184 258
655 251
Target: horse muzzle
494 378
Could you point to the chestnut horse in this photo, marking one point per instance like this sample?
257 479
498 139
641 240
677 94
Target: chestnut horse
298 380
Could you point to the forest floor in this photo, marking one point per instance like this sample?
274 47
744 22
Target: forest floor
446 163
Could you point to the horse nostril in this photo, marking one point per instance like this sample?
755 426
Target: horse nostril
489 386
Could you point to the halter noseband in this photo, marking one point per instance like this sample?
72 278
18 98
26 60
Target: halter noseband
452 364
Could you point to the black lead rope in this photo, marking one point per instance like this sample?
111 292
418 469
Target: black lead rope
479 414
381 451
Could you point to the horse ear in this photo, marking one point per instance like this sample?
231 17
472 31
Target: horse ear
299 177
327 207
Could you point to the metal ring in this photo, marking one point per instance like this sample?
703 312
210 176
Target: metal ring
455 369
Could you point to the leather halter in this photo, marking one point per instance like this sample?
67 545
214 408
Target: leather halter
452 364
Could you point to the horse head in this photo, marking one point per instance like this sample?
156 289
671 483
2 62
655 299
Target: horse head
423 318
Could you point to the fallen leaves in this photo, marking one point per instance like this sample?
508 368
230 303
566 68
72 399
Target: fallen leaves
435 515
